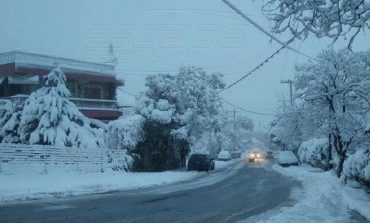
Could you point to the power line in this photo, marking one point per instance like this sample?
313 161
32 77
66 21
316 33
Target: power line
124 91
259 65
235 106
245 110
243 15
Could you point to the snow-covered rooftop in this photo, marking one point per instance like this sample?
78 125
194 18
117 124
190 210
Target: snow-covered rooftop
50 61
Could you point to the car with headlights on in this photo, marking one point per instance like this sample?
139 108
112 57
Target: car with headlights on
255 157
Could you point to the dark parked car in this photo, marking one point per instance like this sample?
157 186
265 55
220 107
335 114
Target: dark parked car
201 162
269 155
236 154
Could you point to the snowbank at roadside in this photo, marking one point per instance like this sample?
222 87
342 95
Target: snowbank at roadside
322 199
223 164
20 187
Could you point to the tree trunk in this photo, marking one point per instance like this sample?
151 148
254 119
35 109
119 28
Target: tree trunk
340 165
329 157
341 152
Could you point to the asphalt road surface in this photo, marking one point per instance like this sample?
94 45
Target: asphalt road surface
228 195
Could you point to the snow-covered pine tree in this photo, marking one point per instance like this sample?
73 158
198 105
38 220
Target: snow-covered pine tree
9 121
6 110
49 118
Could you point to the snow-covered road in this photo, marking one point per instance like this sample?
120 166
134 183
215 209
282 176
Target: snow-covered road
231 194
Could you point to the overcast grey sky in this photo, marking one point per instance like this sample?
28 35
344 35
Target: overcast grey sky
160 36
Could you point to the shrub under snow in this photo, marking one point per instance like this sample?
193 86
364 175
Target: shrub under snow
315 152
126 133
357 166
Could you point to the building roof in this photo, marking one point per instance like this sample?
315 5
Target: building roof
23 62
50 61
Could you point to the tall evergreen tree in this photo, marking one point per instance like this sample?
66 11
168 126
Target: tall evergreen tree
49 118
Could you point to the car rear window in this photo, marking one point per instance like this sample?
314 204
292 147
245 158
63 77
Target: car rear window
198 157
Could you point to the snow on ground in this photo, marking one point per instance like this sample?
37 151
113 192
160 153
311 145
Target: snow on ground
223 164
33 185
19 187
323 198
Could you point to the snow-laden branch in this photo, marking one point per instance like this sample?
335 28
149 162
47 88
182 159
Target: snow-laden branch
323 18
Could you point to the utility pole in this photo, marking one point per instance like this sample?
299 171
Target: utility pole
234 119
290 82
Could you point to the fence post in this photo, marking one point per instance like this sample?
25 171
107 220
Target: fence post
78 159
101 161
43 159
1 168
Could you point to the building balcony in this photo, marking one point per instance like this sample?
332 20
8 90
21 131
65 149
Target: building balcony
92 108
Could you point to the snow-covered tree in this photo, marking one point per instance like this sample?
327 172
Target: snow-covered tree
9 121
336 90
49 118
332 102
231 136
237 135
178 109
199 101
323 18
286 128
6 111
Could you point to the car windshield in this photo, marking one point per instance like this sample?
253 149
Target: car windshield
185 111
198 157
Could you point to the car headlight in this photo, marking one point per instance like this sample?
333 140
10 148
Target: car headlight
252 155
258 155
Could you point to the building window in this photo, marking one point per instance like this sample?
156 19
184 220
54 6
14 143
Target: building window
92 92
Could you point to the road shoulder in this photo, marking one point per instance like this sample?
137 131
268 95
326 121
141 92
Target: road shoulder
322 198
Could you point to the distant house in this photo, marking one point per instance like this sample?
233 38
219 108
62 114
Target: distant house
92 85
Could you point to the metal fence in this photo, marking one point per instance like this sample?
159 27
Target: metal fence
20 157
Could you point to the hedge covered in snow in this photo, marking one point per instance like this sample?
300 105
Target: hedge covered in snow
357 166
315 152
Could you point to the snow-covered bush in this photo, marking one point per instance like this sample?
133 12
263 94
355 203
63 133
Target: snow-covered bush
119 161
357 166
49 118
315 152
125 133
